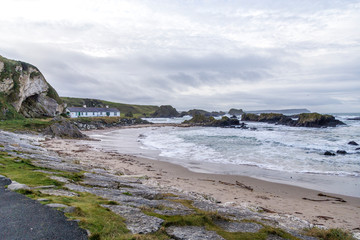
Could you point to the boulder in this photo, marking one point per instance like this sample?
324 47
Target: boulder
328 153
64 129
353 143
341 152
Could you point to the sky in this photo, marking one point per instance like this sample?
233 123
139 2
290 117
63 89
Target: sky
207 54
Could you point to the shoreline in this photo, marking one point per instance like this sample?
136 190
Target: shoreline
230 190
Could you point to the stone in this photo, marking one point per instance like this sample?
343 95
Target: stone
192 233
353 143
44 171
17 186
239 226
43 200
58 192
328 153
70 209
56 205
60 179
136 221
341 152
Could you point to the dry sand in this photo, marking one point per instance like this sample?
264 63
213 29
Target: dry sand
332 210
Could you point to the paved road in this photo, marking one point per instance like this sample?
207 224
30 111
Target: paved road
24 218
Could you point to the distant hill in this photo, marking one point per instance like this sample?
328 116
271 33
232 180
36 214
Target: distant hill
125 109
282 111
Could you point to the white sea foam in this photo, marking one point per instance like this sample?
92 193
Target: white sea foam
273 147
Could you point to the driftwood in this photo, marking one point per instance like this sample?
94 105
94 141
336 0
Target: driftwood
325 217
208 180
338 199
244 186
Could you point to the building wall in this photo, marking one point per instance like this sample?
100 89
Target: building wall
93 114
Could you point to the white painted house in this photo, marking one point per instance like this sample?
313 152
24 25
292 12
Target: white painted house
75 112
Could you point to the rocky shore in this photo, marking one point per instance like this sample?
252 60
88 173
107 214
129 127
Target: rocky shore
146 204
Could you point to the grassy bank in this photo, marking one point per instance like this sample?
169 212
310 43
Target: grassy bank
25 124
125 109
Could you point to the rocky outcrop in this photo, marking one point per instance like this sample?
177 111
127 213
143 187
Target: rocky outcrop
317 120
64 129
236 112
201 120
25 88
102 123
304 119
165 111
194 112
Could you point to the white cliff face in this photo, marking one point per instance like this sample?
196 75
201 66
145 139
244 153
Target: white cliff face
28 89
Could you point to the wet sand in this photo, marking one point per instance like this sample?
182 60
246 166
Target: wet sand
276 199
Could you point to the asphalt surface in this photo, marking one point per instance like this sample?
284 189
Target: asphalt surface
24 218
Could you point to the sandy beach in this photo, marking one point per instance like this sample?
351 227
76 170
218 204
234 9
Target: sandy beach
276 199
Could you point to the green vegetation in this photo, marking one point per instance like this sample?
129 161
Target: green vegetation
313 117
53 94
136 110
25 124
198 118
7 111
92 216
249 117
208 220
21 170
329 234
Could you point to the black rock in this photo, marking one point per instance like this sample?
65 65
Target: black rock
357 148
327 153
355 118
341 152
353 143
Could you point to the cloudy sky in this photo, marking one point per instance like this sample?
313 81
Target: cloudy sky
209 54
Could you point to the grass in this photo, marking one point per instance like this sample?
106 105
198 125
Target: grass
136 110
27 124
329 234
92 216
21 170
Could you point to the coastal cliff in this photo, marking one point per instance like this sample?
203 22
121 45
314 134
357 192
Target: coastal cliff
24 91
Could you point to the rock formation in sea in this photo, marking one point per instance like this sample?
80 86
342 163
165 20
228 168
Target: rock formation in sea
236 112
165 111
202 120
24 90
303 120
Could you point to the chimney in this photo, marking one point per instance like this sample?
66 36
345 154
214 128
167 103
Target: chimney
84 106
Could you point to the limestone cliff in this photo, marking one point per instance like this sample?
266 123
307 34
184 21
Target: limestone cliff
24 88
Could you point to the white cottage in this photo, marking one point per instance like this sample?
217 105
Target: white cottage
75 112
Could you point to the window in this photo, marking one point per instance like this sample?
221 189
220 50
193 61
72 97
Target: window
115 113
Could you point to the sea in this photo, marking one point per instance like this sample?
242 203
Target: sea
289 155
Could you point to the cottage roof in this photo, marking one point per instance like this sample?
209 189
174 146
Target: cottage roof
92 109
